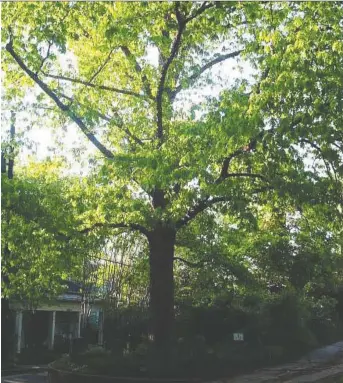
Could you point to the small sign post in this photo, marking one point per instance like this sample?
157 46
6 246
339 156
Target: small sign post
238 337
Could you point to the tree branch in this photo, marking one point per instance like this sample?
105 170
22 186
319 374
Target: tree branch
199 208
264 76
174 51
188 263
139 70
121 225
251 146
318 148
64 108
205 5
262 189
208 202
252 175
91 85
182 22
119 123
226 164
111 261
102 66
45 58
210 64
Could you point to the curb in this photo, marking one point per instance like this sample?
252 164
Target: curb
324 376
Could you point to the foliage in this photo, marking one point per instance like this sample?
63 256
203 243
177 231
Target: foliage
276 328
39 221
244 186
125 328
226 124
40 356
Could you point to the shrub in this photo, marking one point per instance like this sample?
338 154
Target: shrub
277 327
325 321
126 328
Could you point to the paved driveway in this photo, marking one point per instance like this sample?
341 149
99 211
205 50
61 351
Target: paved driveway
25 378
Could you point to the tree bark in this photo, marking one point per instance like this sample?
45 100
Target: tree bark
161 247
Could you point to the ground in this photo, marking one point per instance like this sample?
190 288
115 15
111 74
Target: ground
321 365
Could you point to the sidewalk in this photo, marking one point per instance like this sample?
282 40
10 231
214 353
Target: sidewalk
322 365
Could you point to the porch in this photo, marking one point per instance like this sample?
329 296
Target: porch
50 326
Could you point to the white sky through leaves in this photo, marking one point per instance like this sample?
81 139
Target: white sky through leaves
40 142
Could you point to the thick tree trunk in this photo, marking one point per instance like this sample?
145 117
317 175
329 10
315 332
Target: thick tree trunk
161 245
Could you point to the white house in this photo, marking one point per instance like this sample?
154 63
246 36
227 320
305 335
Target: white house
61 317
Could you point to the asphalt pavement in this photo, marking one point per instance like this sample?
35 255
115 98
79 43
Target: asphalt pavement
26 378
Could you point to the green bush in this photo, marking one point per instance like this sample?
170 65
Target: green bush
325 321
276 327
94 357
126 328
37 356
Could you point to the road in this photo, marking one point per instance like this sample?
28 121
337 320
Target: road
26 378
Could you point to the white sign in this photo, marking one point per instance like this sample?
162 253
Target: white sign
238 336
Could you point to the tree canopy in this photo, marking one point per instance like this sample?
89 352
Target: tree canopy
166 164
